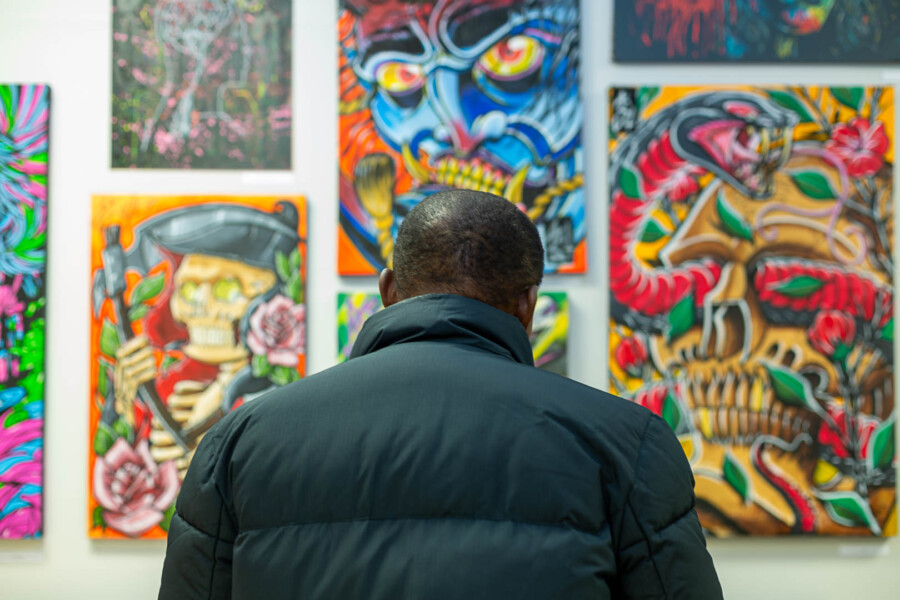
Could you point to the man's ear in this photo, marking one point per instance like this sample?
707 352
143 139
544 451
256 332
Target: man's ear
525 307
388 288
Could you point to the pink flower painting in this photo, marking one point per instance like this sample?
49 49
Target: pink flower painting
278 331
132 489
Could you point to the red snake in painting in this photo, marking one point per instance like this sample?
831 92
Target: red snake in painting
741 139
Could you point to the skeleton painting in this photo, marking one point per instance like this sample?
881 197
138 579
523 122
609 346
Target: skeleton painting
198 308
757 30
202 84
549 337
751 291
24 118
453 93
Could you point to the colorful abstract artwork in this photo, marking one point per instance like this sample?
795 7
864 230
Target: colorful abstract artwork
751 293
198 308
549 337
24 120
201 84
475 95
757 30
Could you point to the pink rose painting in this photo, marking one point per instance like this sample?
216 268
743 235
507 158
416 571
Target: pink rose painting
132 489
278 331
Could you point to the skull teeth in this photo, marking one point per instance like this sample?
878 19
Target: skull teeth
734 409
211 336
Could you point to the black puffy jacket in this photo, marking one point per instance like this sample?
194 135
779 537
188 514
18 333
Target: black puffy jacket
438 463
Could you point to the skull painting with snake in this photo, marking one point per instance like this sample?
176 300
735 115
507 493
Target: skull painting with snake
751 297
453 93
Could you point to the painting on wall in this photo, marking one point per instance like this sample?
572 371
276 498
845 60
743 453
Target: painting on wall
24 120
201 84
481 96
198 308
751 295
549 337
757 30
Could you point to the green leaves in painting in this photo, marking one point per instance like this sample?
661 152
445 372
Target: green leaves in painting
629 184
681 318
18 415
800 286
792 103
887 332
813 184
283 375
138 312
645 96
732 221
295 261
34 385
792 388
97 520
35 306
289 271
104 438
109 338
672 413
851 97
147 289
881 445
104 378
123 430
260 366
653 231
282 266
295 290
850 510
736 476
167 518
30 350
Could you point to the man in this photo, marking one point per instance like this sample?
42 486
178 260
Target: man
438 462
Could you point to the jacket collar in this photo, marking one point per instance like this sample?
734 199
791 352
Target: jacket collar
446 318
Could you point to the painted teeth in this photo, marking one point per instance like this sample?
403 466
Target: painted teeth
516 186
415 168
733 409
211 336
473 175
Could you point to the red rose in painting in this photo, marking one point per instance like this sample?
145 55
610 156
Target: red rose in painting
631 356
653 399
834 439
278 331
832 334
132 488
860 146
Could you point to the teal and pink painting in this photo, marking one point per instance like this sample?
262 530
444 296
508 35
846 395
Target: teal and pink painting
24 117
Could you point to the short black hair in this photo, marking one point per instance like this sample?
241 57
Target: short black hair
468 243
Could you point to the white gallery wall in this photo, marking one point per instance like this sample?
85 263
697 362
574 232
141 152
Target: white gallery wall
67 44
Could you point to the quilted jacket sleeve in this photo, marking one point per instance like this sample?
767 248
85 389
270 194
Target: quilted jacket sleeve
662 551
202 532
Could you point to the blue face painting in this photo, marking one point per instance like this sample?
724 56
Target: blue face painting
481 96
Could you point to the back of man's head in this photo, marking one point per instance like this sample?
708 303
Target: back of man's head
468 243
